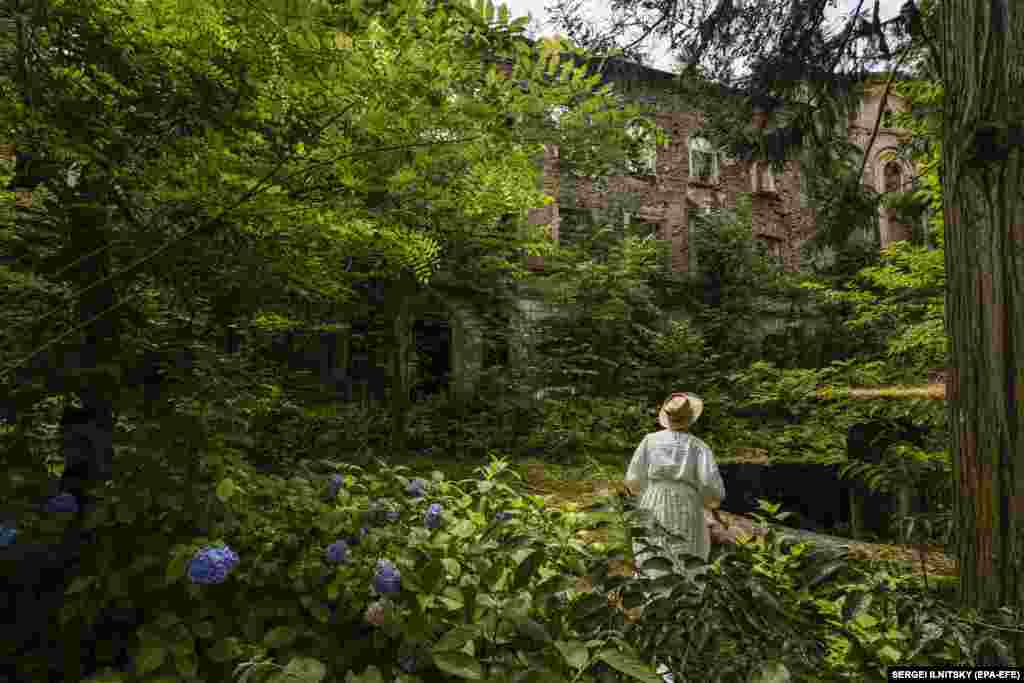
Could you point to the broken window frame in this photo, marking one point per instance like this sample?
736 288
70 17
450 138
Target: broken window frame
703 155
646 164
762 178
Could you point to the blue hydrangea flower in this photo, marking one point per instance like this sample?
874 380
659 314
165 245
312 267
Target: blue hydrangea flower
387 579
392 515
212 565
65 502
417 488
337 552
432 520
503 516
334 486
7 535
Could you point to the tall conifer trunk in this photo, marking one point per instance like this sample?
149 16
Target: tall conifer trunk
982 47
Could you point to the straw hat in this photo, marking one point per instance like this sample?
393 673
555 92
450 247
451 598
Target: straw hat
680 411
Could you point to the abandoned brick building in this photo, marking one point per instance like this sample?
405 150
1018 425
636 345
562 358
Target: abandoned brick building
689 175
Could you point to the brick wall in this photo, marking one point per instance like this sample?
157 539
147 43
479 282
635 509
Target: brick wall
668 198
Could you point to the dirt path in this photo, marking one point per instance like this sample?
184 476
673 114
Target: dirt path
583 493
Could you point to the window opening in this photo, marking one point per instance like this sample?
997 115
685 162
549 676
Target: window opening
703 160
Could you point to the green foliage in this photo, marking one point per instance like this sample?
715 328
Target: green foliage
477 596
770 602
605 316
570 427
735 284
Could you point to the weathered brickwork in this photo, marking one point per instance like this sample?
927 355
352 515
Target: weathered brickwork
882 172
780 215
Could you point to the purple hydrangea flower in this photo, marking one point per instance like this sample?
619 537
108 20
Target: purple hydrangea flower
376 613
387 579
417 488
7 535
432 520
337 552
65 502
503 516
212 565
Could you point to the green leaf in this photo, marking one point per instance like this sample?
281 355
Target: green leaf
150 657
575 653
371 675
824 573
855 603
889 654
657 564
279 637
204 629
456 638
225 650
463 529
771 672
630 666
527 568
306 670
226 489
178 565
533 630
451 565
865 620
187 665
80 584
459 664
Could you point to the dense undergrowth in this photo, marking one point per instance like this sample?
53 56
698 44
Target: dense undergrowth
485 589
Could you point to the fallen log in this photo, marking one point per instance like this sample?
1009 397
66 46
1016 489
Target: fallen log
934 392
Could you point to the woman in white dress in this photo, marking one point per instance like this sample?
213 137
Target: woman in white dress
676 477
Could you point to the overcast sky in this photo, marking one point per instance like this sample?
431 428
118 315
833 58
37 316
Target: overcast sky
598 10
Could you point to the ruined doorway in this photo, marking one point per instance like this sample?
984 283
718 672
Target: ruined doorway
431 358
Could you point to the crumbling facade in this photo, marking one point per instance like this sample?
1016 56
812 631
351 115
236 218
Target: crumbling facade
689 175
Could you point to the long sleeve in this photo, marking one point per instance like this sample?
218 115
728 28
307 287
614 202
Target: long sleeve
637 470
712 486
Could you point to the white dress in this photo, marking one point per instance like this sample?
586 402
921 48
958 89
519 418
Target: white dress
677 473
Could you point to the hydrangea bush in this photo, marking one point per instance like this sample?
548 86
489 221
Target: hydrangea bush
269 578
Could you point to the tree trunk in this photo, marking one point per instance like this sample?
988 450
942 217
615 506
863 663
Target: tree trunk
99 341
401 329
982 47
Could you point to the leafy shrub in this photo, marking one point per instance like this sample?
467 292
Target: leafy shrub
460 584
770 604
572 426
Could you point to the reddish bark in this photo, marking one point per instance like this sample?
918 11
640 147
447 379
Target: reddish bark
952 384
999 331
983 519
985 288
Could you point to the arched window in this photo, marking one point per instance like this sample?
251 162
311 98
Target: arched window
644 151
762 178
892 176
703 160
